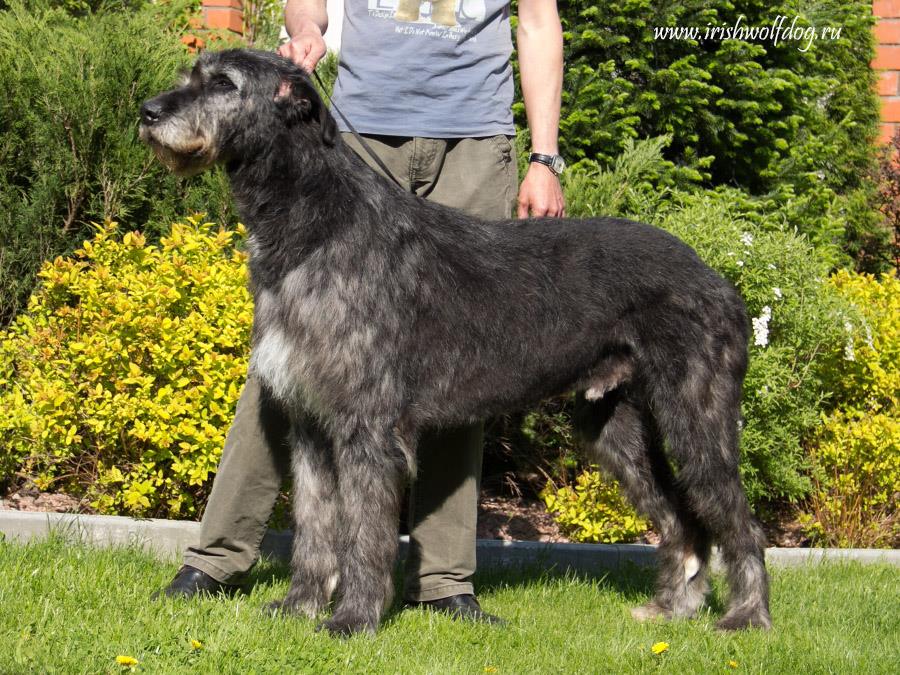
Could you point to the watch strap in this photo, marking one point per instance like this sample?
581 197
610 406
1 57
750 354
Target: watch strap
550 161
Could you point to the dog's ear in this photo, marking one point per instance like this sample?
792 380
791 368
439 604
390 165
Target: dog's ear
302 103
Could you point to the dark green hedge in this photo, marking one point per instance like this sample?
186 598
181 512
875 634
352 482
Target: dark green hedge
796 127
745 113
70 90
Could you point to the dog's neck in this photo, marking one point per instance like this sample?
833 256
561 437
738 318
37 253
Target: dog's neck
325 186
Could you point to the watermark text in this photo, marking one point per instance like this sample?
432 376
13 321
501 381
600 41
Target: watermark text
780 30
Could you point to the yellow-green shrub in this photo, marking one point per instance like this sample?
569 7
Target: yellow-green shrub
593 510
120 380
857 452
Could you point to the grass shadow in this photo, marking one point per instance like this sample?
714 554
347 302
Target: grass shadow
631 582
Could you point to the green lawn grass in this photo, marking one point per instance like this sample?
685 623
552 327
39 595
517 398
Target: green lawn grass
71 609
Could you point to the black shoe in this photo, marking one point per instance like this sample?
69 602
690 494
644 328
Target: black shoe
190 582
463 607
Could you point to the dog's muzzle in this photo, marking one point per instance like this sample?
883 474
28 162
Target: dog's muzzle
176 146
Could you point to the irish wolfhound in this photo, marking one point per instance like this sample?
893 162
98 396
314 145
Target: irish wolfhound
379 315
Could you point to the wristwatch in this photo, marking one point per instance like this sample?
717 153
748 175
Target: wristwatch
555 163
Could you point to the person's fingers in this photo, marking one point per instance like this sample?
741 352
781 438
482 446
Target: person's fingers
523 209
313 56
291 50
304 50
539 210
559 208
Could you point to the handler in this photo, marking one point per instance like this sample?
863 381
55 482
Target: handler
432 95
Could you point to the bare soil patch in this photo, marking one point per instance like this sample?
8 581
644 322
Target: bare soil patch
49 502
516 519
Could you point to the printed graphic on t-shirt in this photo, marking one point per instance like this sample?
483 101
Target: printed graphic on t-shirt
448 19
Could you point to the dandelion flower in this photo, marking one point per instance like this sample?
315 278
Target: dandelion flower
196 644
124 660
490 669
660 647
732 664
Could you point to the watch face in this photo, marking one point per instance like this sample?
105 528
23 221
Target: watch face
558 165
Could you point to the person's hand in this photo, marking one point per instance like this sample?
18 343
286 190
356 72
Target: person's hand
306 48
540 194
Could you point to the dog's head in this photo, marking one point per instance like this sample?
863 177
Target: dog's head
230 106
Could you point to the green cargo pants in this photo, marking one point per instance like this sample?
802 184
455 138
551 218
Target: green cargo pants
475 175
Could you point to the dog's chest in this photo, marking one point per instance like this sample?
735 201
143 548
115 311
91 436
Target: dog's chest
313 347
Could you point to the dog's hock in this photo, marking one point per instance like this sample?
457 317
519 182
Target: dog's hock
691 567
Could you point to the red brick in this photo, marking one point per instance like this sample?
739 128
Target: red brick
887 8
890 109
193 42
229 19
887 32
888 83
887 57
886 133
234 4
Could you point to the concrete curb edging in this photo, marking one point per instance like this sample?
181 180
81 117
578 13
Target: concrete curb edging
167 539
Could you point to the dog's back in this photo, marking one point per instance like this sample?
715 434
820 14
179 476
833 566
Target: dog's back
529 308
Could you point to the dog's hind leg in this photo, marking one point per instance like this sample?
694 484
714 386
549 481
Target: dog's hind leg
701 424
314 561
372 470
619 433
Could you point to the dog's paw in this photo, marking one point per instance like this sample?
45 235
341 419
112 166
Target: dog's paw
293 605
345 626
649 612
741 618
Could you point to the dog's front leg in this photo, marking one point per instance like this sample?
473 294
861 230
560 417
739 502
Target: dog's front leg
314 563
371 470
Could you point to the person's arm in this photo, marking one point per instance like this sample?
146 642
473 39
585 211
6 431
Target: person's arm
306 21
539 39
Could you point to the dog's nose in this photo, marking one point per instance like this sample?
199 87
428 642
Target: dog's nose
151 111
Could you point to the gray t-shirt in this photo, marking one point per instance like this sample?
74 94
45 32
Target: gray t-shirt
405 71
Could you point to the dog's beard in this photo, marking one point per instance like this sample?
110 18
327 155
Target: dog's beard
187 160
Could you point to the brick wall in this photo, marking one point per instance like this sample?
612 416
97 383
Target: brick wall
887 61
226 14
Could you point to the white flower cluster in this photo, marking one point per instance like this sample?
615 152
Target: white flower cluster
761 327
849 353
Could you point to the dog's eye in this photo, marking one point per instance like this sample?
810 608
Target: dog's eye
222 83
